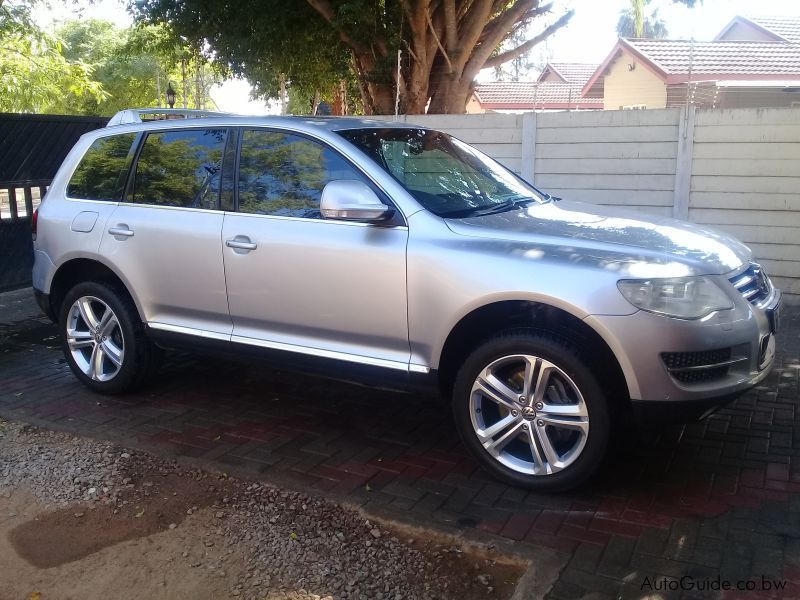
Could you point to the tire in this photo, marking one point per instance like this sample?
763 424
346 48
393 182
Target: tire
113 356
551 441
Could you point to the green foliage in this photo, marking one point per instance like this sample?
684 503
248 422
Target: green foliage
131 65
653 27
34 75
258 39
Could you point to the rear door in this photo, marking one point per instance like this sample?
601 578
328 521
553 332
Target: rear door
302 283
164 238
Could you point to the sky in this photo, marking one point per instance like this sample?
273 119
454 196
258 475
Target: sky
589 37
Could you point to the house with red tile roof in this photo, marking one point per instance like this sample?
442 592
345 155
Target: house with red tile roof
558 87
753 62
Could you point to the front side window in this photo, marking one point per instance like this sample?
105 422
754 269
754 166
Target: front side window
100 174
283 174
180 168
445 175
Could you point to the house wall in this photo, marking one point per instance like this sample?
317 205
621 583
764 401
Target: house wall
623 87
474 107
744 32
552 77
735 170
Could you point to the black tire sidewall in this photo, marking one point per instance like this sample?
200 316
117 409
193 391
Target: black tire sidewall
563 354
132 335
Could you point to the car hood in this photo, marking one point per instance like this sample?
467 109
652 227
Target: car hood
615 235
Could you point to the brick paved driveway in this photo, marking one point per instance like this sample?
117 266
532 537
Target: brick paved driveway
717 498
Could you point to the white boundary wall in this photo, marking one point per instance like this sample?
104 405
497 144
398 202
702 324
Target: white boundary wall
735 170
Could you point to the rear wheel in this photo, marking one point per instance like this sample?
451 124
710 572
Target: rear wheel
531 411
104 340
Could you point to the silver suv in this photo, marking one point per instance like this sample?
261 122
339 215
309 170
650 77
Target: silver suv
397 256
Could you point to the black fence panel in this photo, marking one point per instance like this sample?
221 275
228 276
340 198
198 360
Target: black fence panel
32 148
16 254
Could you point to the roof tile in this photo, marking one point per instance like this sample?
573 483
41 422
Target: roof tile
578 73
527 93
733 59
786 27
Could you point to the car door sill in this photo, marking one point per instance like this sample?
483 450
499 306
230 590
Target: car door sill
291 348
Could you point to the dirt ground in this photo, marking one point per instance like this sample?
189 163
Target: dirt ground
151 530
48 554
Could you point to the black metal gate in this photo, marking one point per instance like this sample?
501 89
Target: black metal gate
32 148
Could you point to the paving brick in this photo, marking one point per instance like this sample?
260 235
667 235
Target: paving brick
518 525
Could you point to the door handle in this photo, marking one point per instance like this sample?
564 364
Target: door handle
121 229
241 243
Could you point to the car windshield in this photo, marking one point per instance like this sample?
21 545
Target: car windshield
445 175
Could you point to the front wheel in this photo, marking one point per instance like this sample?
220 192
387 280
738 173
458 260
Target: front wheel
531 411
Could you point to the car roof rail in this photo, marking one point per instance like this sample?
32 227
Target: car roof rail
141 115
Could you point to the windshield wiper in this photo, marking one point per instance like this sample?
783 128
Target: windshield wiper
480 211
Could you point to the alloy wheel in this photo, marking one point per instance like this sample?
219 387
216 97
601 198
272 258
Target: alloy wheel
529 415
95 338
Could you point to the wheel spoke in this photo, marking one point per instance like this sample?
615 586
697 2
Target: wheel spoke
564 410
107 323
495 446
112 351
495 390
491 431
79 339
87 313
539 461
96 363
580 423
531 365
546 369
539 436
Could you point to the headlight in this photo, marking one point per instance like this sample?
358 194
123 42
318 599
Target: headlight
680 297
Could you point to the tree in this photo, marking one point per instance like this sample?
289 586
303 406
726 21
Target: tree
133 66
634 23
34 75
443 43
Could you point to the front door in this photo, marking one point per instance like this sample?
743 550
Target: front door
302 283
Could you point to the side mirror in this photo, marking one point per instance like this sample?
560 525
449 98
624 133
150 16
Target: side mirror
352 200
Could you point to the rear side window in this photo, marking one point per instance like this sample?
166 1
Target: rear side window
180 168
101 173
283 174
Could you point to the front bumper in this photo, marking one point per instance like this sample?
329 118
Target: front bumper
741 341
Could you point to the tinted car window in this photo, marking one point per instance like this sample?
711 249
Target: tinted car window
100 174
180 168
283 174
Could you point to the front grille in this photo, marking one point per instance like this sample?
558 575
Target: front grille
695 367
753 284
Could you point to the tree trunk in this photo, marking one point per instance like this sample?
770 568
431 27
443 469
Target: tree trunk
183 76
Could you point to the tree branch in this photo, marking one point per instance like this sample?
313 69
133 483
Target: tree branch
504 57
450 25
439 43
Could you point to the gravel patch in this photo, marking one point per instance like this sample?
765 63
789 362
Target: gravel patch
293 545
